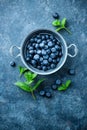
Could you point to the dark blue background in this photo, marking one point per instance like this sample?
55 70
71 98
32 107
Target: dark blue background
66 110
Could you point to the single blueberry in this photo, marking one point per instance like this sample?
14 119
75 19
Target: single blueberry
36 57
55 61
33 62
48 95
54 40
35 39
48 68
54 86
57 47
41 44
43 52
41 59
12 63
31 51
32 40
50 59
48 51
60 54
43 37
53 66
46 36
53 55
31 48
53 49
39 67
45 62
42 93
51 37
58 82
39 52
50 44
39 40
45 57
36 45
46 47
71 72
56 15
44 68
58 59
27 59
38 36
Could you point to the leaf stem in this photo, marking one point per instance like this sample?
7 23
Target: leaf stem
67 30
33 95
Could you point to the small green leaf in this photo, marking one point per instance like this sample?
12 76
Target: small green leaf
63 22
68 82
37 84
56 23
22 70
30 76
64 86
23 86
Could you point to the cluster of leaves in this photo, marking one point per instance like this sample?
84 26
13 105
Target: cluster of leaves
60 24
64 86
29 80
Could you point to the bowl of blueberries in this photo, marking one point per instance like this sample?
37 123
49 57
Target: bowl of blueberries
44 51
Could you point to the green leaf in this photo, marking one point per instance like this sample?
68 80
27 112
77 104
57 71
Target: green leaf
30 76
68 82
22 70
64 86
56 23
37 84
63 22
23 86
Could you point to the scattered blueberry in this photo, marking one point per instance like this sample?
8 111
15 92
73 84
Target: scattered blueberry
33 62
42 93
71 72
53 49
43 52
53 66
45 62
56 15
39 52
12 63
42 44
45 57
50 59
48 95
50 44
54 87
58 82
27 58
52 55
44 68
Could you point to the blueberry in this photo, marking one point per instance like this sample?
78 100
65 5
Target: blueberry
48 51
50 44
45 57
54 40
39 67
39 40
44 68
53 49
35 39
56 53
31 51
71 72
27 59
41 59
43 52
31 40
53 55
48 67
56 15
31 48
12 63
39 52
46 36
57 47
36 57
36 46
48 95
60 54
51 37
58 59
58 82
45 62
42 93
54 61
43 37
42 44
46 47
33 62
53 66
50 59
54 87
38 36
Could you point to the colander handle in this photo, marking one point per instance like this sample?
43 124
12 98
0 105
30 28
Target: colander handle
11 51
75 50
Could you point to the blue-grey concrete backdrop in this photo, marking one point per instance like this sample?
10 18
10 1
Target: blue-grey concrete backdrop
65 110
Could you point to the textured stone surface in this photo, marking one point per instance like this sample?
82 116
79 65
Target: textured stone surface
66 110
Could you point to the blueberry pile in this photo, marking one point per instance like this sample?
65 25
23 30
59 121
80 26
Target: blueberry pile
43 51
